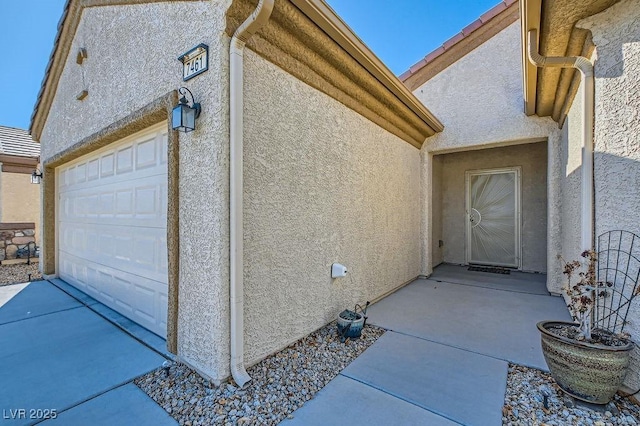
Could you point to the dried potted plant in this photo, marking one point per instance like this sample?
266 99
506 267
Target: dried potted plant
589 363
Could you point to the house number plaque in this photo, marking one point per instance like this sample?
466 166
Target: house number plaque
195 61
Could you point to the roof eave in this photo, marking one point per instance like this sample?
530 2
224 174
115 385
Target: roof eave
468 39
317 10
37 118
323 16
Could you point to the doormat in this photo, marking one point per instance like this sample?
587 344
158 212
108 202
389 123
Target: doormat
490 269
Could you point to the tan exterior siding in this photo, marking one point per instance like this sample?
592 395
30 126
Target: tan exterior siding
340 188
19 200
436 203
322 185
479 98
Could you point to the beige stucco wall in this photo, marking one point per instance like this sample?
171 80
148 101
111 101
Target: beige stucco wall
19 200
436 207
532 158
479 100
131 62
616 34
571 181
322 185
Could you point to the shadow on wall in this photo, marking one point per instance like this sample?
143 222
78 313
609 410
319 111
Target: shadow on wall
617 203
610 62
617 192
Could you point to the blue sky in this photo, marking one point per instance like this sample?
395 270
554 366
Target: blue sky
400 32
27 31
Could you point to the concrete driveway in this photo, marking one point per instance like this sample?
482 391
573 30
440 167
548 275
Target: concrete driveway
445 358
61 358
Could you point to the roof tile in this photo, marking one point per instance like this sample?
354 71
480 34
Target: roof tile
17 142
472 27
491 13
453 40
466 31
405 75
431 56
418 65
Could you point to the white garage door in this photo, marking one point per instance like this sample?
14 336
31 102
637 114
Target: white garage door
112 220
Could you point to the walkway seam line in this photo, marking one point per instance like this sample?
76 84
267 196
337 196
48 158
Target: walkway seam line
489 288
109 320
99 394
41 315
463 349
399 397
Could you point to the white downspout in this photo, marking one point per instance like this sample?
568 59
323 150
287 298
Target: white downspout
588 90
253 23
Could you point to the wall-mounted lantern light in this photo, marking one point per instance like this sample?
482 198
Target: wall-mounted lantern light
184 115
36 176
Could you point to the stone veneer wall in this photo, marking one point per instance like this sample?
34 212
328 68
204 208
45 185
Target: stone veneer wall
14 237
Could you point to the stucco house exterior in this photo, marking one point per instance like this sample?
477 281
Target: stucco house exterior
149 220
19 199
577 155
309 152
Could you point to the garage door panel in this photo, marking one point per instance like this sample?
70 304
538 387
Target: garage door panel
144 157
140 251
124 160
143 203
147 154
139 298
112 218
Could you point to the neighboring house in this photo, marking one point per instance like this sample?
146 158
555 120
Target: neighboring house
477 84
342 162
19 199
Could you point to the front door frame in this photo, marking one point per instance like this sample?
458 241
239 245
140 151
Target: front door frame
518 216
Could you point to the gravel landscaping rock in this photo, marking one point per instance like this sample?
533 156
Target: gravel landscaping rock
524 404
283 382
19 273
280 384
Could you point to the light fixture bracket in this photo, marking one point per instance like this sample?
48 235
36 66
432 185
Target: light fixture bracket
184 114
36 176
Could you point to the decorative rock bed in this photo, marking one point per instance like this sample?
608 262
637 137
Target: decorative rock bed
524 404
284 381
19 273
280 384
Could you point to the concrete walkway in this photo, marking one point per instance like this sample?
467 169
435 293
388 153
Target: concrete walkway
58 355
445 358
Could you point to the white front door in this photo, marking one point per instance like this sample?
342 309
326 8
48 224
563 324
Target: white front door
493 217
112 226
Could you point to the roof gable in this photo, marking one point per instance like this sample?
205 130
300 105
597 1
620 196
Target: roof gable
473 35
67 27
305 38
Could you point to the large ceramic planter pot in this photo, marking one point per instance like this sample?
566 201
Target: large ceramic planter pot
589 372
